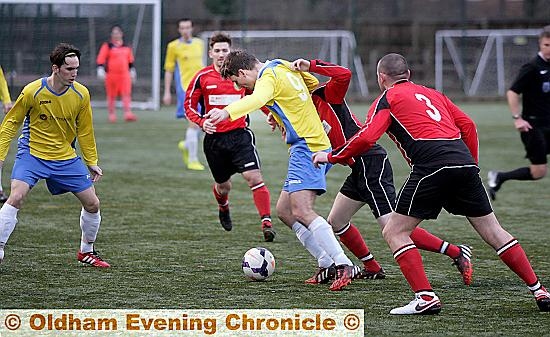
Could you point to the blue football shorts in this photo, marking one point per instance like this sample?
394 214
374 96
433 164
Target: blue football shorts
61 176
302 174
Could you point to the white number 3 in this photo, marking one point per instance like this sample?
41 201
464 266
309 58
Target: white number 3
433 113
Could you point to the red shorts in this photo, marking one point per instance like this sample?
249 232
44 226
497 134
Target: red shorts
118 85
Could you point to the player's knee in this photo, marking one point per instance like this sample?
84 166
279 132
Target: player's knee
538 171
92 206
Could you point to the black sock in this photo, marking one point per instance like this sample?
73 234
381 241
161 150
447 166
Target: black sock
522 173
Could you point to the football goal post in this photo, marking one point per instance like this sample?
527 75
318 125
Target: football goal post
31 28
335 46
481 62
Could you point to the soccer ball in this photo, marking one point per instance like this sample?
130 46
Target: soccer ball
258 264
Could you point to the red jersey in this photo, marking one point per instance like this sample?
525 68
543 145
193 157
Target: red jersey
116 58
329 100
209 90
426 126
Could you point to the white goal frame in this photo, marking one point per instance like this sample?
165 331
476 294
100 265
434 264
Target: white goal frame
154 102
342 53
443 38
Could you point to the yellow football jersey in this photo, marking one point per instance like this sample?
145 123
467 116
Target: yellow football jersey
51 123
286 93
184 59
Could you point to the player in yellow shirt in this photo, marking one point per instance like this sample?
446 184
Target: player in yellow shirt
54 112
7 103
286 94
184 58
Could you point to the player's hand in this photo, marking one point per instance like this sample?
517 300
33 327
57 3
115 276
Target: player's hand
96 172
100 73
7 107
320 158
301 65
133 74
208 127
522 125
271 121
167 98
217 115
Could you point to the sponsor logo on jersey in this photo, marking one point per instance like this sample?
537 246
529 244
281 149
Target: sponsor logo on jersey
43 117
546 87
45 102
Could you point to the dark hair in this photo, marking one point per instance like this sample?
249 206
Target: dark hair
237 60
219 37
61 51
395 66
185 19
545 32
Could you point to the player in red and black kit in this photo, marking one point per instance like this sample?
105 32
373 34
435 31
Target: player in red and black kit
531 117
440 143
115 64
370 182
229 146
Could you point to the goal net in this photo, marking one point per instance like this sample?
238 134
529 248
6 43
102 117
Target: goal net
481 62
31 28
335 46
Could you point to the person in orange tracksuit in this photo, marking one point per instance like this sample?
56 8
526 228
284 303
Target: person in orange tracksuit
115 64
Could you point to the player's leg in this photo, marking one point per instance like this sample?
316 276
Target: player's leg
512 254
326 268
110 91
339 218
126 94
192 144
536 147
246 159
90 220
9 210
221 193
3 196
397 235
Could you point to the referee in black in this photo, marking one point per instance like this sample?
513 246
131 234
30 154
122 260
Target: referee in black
531 117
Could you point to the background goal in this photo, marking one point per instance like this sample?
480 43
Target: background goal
336 46
481 62
31 28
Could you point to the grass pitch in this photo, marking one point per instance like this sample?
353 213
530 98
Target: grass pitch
161 234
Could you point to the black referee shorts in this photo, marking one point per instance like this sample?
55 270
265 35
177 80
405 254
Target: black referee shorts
230 152
371 181
457 189
537 144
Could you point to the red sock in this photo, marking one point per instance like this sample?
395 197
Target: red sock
352 239
514 257
410 262
262 200
223 200
427 241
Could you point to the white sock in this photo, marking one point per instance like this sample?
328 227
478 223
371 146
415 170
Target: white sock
308 241
8 220
1 186
323 234
89 223
192 143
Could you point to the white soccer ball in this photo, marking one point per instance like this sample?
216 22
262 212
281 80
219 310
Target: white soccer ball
258 264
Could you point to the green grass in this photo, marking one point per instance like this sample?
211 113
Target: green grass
160 233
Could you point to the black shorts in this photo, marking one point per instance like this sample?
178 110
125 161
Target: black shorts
371 181
457 189
230 152
537 144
